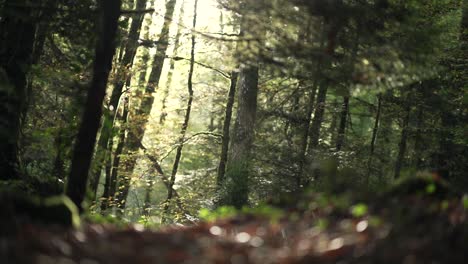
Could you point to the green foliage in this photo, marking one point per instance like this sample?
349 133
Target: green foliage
263 211
359 210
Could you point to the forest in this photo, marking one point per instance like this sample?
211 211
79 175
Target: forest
233 131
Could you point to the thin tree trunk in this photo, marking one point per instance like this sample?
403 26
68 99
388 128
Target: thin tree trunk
226 129
188 111
86 139
107 181
418 140
120 80
343 121
59 164
318 116
165 181
403 142
331 32
305 137
374 137
109 197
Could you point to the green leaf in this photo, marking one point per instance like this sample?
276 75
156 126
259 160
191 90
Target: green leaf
359 210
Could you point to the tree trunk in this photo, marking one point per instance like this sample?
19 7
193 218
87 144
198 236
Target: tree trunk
235 187
318 116
145 56
59 164
343 121
163 44
84 146
418 140
403 142
109 196
170 74
305 137
17 34
374 136
121 78
135 135
226 129
188 111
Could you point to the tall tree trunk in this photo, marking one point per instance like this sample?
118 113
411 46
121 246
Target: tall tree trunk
109 194
403 142
163 44
235 186
188 111
145 56
135 135
17 34
343 121
226 129
318 116
59 164
120 80
418 140
86 139
374 137
170 74
305 137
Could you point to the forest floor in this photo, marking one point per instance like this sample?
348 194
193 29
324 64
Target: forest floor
396 228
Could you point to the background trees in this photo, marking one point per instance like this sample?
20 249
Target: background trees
331 95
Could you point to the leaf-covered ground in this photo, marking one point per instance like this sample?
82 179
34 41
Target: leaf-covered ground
396 228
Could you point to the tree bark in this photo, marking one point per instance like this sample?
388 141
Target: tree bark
226 129
86 139
235 187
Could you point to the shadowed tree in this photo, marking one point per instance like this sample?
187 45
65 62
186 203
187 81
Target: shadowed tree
86 139
17 35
